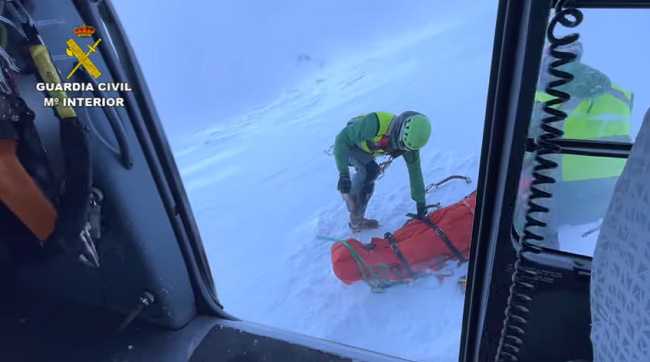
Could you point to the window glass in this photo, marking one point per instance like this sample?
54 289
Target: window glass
609 97
579 199
253 94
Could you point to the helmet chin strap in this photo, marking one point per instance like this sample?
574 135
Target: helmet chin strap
398 135
400 143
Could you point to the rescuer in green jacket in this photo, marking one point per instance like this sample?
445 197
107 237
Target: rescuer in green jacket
377 134
597 110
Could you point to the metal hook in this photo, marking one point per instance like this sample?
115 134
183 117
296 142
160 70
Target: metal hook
4 85
17 9
88 254
10 62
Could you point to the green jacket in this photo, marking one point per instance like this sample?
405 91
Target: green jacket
365 129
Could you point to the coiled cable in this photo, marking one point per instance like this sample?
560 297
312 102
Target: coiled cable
517 310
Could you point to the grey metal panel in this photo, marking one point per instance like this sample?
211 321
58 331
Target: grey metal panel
139 250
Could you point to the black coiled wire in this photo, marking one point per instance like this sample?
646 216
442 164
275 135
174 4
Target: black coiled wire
517 310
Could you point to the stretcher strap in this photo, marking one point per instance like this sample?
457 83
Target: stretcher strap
378 284
444 239
398 253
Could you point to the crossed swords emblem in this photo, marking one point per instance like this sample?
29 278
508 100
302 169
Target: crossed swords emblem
75 51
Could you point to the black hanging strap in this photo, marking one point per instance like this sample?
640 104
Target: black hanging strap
398 253
444 239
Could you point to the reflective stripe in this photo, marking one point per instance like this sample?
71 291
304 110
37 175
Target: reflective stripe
568 107
576 168
622 95
605 117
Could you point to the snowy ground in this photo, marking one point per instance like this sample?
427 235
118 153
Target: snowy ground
580 239
264 193
263 189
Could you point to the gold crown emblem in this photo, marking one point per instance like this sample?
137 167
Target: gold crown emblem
84 30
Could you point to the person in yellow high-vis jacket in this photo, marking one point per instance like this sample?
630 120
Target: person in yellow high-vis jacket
597 110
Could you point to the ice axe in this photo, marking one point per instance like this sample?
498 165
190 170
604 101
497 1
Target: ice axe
445 180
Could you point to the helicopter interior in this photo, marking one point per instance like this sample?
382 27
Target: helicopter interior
133 292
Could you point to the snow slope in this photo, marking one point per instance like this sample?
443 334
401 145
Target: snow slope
264 191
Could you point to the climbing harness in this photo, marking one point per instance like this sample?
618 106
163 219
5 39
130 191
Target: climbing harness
384 165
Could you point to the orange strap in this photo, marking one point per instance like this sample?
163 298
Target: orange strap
22 196
466 204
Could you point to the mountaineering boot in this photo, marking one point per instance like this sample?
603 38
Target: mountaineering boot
363 224
358 222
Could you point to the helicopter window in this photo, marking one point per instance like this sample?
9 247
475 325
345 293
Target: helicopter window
266 105
604 111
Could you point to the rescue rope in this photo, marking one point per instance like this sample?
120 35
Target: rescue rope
379 284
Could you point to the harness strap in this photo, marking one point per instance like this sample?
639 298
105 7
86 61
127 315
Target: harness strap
398 253
20 194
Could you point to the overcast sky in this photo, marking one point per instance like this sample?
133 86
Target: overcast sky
209 61
224 57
